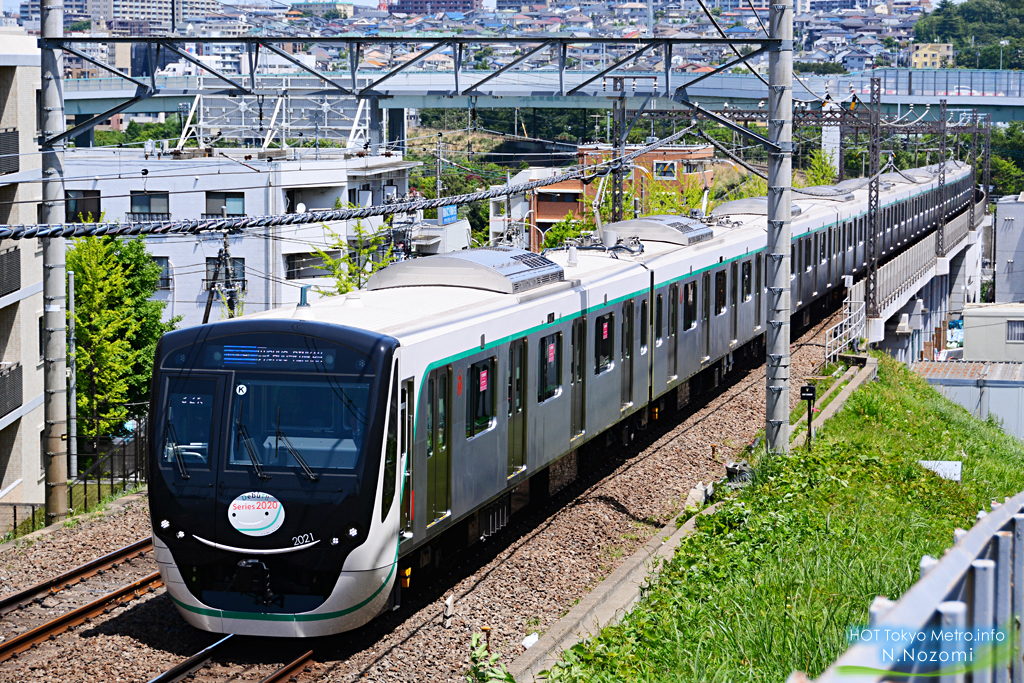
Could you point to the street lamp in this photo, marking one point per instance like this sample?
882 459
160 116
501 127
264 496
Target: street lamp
1002 44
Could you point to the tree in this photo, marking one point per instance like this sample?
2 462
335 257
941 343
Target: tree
567 228
331 15
821 170
353 266
84 25
104 330
142 278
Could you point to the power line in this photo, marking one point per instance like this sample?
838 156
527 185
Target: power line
587 174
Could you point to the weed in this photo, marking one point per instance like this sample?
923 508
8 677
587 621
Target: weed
483 665
771 581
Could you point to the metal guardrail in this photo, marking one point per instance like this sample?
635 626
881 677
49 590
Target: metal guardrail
977 587
10 159
840 336
11 388
10 270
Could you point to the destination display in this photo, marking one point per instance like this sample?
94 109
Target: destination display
269 357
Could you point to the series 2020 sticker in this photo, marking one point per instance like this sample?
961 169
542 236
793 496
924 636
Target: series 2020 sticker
256 513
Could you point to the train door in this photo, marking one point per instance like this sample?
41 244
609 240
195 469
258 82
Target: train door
406 408
516 407
705 313
438 409
577 376
673 331
734 301
627 353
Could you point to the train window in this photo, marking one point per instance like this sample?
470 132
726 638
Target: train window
658 329
387 492
673 310
822 247
689 306
759 265
746 281
188 422
549 379
808 253
442 412
643 327
720 301
480 397
793 257
430 417
604 342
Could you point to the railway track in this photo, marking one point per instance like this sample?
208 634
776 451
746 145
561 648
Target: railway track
52 586
202 659
54 627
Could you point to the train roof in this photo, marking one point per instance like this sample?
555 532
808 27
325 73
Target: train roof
414 295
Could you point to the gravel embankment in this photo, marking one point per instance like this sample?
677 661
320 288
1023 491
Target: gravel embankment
518 588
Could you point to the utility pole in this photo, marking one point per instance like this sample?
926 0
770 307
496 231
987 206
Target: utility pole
974 163
940 228
874 187
780 180
72 381
54 282
619 167
437 171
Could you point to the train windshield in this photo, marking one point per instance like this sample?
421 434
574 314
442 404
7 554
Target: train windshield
289 402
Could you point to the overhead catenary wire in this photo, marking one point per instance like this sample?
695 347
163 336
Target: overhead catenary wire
587 174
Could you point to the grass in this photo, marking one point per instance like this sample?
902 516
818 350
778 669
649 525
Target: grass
85 502
771 582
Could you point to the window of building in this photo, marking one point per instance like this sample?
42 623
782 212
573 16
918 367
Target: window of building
165 271
480 397
306 266
1015 330
150 202
558 197
234 202
236 276
82 206
549 379
665 170
747 292
604 342
689 306
720 300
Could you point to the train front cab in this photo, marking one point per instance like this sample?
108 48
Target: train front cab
265 436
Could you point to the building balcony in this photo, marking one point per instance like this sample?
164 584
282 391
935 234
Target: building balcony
10 387
10 162
146 217
215 216
10 270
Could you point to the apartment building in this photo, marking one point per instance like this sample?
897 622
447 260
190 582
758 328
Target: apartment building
156 12
21 276
931 55
524 219
318 8
268 265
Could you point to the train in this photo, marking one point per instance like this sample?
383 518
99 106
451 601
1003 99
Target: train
306 462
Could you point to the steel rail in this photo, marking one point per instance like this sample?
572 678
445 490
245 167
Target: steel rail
72 576
24 641
183 670
291 670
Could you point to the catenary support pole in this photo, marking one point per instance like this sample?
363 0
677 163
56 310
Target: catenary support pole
780 177
54 278
72 381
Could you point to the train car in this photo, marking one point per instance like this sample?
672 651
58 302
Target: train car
305 461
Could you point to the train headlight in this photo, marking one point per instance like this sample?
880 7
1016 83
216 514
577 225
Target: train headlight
165 524
334 541
181 534
353 532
